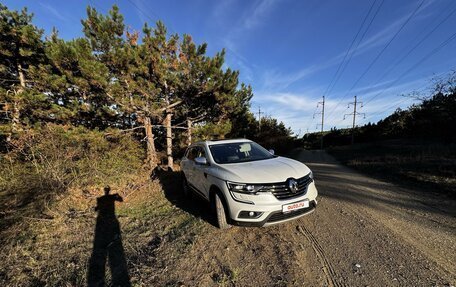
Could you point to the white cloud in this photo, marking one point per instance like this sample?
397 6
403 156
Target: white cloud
232 37
53 11
234 60
278 80
275 80
254 18
297 110
221 9
295 102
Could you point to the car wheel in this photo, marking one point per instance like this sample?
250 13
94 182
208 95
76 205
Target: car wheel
220 212
185 188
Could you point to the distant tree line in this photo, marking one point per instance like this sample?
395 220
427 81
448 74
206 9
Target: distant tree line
162 88
431 120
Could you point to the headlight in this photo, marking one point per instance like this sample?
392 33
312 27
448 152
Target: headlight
243 187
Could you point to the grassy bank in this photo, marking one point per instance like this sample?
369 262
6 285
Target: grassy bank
54 248
427 166
49 187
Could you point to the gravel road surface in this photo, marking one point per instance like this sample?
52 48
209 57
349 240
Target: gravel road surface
364 232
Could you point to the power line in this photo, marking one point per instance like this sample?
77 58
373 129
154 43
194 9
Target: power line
388 108
341 119
410 51
427 56
259 118
386 46
351 55
333 82
147 16
357 45
355 113
396 103
322 103
310 121
419 43
343 65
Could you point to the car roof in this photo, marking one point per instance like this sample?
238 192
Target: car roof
224 141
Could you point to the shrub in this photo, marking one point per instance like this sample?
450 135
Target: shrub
48 161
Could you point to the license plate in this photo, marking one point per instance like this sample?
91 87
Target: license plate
295 206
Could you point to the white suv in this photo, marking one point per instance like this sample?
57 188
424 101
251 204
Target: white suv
247 184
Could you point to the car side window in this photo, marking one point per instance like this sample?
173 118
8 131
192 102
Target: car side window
187 152
191 153
195 152
200 152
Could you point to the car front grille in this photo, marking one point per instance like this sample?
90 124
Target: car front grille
281 190
279 216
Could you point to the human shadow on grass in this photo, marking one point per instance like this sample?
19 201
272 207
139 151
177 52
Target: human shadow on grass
171 182
107 245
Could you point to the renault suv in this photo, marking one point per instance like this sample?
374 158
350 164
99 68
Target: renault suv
247 184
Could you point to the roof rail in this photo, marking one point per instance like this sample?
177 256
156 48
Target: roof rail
214 140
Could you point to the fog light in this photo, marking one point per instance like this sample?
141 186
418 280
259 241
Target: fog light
250 214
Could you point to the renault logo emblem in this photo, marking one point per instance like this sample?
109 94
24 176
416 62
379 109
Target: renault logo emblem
292 185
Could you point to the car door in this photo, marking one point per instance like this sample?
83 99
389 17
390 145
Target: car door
188 165
199 172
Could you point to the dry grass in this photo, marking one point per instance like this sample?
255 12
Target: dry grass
48 192
54 250
428 166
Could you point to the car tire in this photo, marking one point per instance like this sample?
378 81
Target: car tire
220 213
185 188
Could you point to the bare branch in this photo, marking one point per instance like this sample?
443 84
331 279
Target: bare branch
173 127
198 118
126 130
171 106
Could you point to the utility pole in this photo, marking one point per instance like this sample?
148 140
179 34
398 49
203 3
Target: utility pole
259 118
322 103
355 113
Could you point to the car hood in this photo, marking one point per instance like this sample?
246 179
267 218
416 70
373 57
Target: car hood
277 169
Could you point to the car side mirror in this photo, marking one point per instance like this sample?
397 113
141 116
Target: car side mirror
271 151
201 160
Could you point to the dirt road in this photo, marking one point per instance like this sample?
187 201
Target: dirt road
364 233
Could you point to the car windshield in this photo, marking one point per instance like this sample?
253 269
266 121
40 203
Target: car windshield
238 152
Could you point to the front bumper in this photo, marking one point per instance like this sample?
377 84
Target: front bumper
269 206
278 217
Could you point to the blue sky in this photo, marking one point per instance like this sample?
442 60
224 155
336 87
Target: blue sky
289 51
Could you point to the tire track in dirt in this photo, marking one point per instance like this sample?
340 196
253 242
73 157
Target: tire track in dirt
331 275
393 231
392 218
316 251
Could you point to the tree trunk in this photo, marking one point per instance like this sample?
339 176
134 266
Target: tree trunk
169 140
21 76
151 153
189 132
15 117
16 113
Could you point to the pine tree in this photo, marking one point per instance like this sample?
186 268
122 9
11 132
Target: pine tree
160 78
130 84
75 82
21 49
